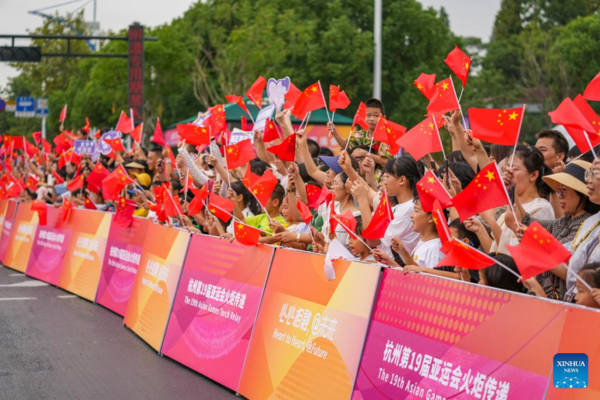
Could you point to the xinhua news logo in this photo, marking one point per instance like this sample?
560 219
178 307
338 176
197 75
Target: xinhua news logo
570 371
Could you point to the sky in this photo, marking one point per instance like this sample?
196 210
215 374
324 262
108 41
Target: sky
467 17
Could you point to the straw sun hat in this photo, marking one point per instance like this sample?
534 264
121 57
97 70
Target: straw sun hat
572 177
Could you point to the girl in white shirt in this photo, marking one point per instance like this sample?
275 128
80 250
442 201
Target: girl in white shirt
427 253
400 178
525 175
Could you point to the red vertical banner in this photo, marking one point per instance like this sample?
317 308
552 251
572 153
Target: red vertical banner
136 71
156 282
121 261
20 243
7 227
310 331
215 307
49 248
85 253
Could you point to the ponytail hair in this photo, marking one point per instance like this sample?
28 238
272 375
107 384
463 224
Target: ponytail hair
533 159
249 200
406 166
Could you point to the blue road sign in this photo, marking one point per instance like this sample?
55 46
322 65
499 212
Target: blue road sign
25 107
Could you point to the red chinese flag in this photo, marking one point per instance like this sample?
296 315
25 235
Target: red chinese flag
263 187
172 205
538 251
37 136
460 254
124 214
255 93
239 100
291 96
41 208
422 139
431 189
348 222
137 133
66 209
32 182
441 225
14 142
569 115
444 99
359 117
115 144
114 183
239 154
63 114
217 120
200 196
14 187
158 137
333 221
459 63
485 192
171 156
76 183
86 128
426 85
578 135
245 125
304 211
47 147
499 126
249 178
89 204
99 172
220 207
59 179
124 125
68 157
271 133
337 99
286 151
245 234
317 196
311 99
389 132
194 134
382 217
592 90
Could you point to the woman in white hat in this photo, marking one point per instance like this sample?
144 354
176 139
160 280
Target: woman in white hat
572 193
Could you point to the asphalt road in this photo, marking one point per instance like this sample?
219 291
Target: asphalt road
57 346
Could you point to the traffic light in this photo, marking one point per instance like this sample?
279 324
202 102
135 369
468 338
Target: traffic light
20 54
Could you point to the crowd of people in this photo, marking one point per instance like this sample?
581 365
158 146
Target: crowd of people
319 198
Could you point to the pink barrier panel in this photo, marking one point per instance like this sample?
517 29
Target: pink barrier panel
310 331
3 208
83 262
437 338
49 248
7 227
215 307
156 282
121 260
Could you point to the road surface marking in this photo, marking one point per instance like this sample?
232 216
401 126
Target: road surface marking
17 298
26 284
67 296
